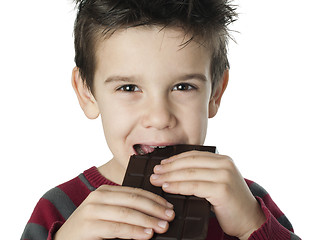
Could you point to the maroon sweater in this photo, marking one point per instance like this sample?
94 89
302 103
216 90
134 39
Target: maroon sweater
54 208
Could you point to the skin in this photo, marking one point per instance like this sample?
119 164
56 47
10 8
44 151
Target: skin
149 90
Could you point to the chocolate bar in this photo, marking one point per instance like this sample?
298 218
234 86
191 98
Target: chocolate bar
191 212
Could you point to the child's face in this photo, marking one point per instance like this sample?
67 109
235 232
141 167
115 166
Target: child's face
152 91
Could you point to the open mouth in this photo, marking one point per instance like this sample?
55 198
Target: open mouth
142 149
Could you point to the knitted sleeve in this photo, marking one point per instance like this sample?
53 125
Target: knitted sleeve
54 208
48 215
277 226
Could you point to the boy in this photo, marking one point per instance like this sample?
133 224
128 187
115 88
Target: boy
156 72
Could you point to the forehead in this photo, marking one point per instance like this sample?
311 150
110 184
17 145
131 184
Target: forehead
145 49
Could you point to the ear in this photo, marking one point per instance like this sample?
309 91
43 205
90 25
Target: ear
85 97
217 94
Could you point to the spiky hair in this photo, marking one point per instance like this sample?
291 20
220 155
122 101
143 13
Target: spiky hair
203 20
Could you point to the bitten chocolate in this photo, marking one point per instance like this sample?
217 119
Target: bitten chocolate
191 212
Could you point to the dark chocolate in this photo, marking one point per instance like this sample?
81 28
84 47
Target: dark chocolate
191 212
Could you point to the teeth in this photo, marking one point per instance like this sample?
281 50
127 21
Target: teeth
139 150
144 149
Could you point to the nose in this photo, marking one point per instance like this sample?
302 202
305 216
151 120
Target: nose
158 114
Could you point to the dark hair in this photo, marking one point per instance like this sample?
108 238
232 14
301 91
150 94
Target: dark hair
203 20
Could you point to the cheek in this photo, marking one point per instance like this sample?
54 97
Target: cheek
197 127
115 119
195 122
117 126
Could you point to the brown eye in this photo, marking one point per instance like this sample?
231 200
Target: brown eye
183 87
129 88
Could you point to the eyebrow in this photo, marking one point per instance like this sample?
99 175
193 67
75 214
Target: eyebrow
183 77
198 76
118 78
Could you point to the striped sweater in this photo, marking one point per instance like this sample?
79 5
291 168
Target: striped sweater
54 208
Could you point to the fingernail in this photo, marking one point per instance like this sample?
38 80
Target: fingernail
148 230
167 160
158 168
165 185
163 161
169 212
162 224
168 204
154 176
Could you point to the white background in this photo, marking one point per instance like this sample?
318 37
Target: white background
268 120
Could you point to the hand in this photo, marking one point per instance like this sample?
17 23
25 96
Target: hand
118 212
216 178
